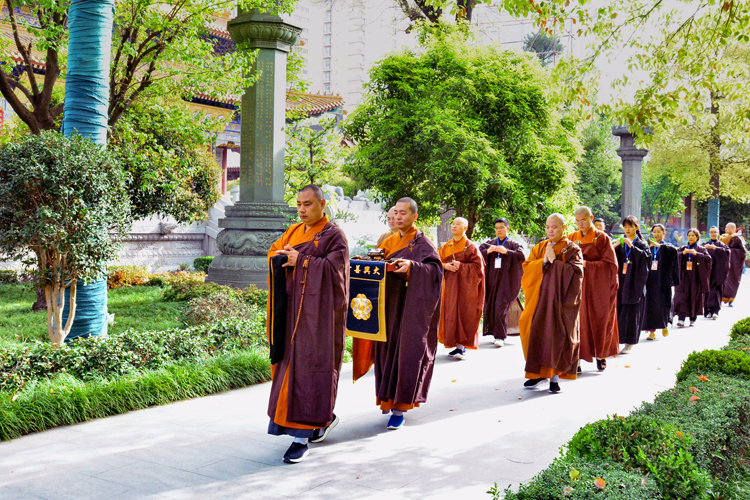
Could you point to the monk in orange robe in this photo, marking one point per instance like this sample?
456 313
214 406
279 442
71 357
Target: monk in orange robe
736 263
391 219
463 292
404 363
598 317
307 306
552 282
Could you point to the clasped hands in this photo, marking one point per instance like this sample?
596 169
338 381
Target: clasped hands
498 249
452 266
549 254
688 250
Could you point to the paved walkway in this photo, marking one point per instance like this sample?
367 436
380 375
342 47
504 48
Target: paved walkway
478 427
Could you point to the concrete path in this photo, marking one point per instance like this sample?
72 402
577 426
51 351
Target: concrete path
478 427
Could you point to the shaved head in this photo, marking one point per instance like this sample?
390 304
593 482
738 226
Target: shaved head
462 221
584 211
315 190
410 202
559 217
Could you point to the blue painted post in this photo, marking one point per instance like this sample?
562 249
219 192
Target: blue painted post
713 213
86 113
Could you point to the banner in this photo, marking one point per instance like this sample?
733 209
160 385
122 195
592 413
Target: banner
365 318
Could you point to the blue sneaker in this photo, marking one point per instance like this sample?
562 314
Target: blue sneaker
395 422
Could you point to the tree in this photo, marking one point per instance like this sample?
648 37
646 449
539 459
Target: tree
731 211
64 200
314 155
465 127
164 148
546 47
599 176
661 198
158 50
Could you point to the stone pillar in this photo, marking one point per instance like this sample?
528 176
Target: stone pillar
632 166
261 215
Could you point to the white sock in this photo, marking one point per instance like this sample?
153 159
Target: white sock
555 378
300 440
398 413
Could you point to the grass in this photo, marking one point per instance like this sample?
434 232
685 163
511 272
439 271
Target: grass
66 400
139 308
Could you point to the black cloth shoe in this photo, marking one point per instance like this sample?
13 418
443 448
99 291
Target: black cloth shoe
321 434
601 364
554 387
296 453
534 383
579 370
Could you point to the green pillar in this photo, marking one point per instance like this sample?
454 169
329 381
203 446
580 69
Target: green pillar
261 215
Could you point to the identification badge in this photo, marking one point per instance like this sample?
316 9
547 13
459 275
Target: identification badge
654 265
689 266
625 268
498 262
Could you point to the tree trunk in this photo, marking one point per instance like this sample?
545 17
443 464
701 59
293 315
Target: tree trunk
465 9
41 299
714 162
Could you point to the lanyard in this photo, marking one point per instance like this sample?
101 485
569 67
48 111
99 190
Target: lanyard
627 253
690 256
503 243
656 252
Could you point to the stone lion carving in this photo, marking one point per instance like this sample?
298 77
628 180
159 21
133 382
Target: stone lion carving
244 242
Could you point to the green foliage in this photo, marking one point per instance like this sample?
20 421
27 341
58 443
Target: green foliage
182 290
740 329
731 210
117 355
599 177
466 127
571 478
217 306
201 264
63 202
646 444
547 48
718 422
727 362
163 147
661 197
65 400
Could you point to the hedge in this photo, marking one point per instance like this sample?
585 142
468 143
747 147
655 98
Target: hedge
692 442
201 264
66 400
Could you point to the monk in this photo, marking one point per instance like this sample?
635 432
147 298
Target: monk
463 292
552 281
695 277
404 363
736 265
503 260
391 219
307 306
634 261
720 256
662 276
599 337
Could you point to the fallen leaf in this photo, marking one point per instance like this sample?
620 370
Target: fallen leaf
574 474
694 389
499 420
519 397
359 477
694 398
15 396
643 482
567 490
453 380
599 483
658 367
627 366
703 378
680 435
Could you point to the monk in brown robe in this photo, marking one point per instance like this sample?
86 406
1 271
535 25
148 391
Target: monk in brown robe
720 256
307 306
404 363
391 219
736 263
695 279
463 292
598 318
503 260
552 281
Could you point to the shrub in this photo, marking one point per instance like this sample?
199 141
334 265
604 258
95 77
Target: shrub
646 444
186 290
116 355
66 400
215 307
121 276
574 479
729 362
718 422
740 329
201 264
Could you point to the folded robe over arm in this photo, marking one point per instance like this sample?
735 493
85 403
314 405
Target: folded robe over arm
305 380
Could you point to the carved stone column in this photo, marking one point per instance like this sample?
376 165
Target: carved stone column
261 215
632 168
